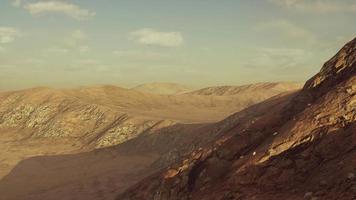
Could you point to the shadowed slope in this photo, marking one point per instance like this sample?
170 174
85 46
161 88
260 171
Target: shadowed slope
77 120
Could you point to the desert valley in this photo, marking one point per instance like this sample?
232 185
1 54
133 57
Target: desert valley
260 141
177 100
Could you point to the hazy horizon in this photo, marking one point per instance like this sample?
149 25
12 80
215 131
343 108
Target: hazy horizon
193 87
77 43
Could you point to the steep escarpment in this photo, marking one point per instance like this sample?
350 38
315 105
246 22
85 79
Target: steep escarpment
300 146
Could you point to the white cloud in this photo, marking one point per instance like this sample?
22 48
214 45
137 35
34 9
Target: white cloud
282 52
8 34
66 8
319 6
148 36
287 29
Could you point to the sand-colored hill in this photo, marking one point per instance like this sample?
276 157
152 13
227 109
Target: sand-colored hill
163 88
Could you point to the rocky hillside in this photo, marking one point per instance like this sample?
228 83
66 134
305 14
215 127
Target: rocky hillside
300 146
50 113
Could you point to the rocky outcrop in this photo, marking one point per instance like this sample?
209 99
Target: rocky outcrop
300 146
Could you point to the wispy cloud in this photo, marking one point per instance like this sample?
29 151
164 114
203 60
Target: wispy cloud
148 36
8 34
286 29
75 41
318 6
278 58
90 65
47 7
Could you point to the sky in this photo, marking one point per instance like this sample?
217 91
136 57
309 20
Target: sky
70 43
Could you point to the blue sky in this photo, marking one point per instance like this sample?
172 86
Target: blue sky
68 43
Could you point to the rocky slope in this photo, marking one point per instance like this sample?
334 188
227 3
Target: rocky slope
300 146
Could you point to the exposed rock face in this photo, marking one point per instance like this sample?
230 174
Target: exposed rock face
49 113
336 70
300 146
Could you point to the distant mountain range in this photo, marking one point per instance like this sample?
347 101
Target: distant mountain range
163 88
